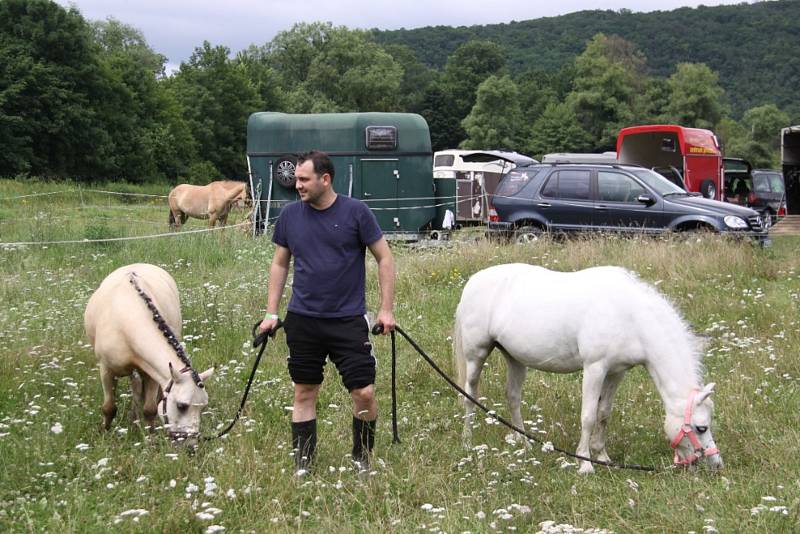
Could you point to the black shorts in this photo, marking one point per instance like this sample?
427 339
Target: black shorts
344 340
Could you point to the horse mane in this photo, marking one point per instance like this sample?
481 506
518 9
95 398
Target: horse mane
697 343
165 330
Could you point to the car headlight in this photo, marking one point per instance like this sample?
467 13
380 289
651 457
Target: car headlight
732 221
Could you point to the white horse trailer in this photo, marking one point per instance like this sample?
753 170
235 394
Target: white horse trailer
467 179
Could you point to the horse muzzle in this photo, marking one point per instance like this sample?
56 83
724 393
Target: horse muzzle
184 438
711 455
715 461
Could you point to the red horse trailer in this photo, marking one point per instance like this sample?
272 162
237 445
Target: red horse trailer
690 157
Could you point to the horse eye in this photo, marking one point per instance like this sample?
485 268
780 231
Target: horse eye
182 406
701 429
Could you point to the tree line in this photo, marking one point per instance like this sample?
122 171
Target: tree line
91 100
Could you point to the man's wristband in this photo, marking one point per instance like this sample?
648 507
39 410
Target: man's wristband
273 316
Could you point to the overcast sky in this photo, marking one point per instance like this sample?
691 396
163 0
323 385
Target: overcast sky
175 27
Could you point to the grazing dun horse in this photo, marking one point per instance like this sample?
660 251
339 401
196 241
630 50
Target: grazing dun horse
213 202
133 321
602 320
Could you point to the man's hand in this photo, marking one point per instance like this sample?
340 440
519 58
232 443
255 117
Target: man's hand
386 320
269 324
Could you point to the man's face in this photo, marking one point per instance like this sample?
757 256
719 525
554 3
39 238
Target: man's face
309 186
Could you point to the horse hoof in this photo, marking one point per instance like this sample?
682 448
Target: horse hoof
586 468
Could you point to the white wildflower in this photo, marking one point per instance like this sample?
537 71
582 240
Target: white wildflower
57 428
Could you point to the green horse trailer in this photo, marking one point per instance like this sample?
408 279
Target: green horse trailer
383 159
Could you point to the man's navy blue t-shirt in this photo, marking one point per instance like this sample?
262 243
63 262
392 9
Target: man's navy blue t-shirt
328 247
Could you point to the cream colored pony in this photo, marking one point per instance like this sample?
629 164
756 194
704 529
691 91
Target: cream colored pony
213 202
133 321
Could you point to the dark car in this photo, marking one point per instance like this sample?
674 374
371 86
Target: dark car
610 198
768 195
760 189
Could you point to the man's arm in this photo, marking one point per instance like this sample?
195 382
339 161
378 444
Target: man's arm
278 272
383 255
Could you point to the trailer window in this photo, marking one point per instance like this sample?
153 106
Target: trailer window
445 160
381 138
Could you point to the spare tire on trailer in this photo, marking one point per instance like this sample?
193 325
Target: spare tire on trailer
708 189
283 171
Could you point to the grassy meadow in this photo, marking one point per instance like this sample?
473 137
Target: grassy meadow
60 472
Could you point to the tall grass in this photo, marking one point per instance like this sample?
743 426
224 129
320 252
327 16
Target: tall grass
59 471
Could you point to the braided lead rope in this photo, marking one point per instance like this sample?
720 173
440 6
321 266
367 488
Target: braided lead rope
166 330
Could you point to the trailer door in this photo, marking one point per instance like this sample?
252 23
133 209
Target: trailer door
380 179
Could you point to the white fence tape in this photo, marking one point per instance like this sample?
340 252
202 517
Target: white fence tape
129 238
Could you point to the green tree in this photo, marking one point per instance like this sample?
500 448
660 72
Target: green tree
537 89
759 140
468 67
216 98
442 116
267 81
416 77
694 97
495 120
327 68
732 136
50 84
608 78
138 117
558 130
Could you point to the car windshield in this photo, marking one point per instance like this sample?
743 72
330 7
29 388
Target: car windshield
658 183
768 182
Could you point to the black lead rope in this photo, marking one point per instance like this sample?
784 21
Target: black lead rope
259 340
377 329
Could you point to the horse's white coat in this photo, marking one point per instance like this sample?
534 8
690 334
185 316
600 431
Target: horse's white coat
125 338
603 321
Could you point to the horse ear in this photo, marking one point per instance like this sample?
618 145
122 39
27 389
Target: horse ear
205 375
175 375
707 391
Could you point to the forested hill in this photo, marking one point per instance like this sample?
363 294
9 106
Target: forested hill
754 47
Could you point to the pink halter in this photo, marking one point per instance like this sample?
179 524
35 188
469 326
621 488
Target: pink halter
688 431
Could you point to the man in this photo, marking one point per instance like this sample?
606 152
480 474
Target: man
327 234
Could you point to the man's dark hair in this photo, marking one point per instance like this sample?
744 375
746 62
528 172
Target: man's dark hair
322 163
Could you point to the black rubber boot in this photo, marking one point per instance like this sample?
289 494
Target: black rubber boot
304 442
363 441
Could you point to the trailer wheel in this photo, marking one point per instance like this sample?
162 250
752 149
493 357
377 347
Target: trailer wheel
283 171
708 189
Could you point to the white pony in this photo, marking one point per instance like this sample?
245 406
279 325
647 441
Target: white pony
602 320
133 321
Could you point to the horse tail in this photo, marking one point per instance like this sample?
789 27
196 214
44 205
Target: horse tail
459 362
171 219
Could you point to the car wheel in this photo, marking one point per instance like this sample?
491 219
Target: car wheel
708 189
283 171
527 234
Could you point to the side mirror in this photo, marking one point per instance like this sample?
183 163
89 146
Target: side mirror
645 199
